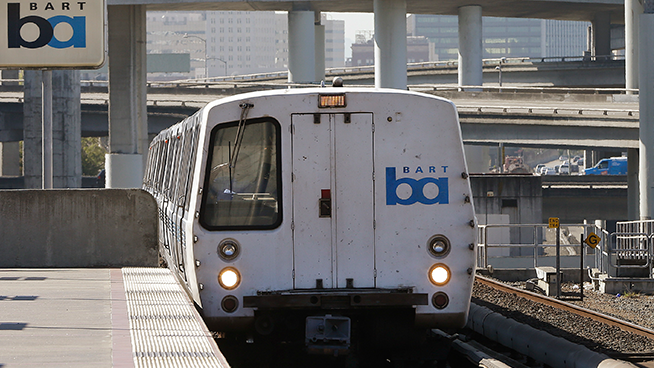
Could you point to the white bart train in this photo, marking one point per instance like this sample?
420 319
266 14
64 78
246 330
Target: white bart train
329 215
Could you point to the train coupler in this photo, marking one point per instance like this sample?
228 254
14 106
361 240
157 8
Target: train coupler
328 335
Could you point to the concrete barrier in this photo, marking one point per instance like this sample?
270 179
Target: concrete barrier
78 228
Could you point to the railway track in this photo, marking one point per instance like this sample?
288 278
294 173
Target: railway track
599 317
555 332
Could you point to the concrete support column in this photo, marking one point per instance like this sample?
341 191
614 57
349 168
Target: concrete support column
646 102
66 129
9 159
32 130
601 27
320 48
128 133
390 44
632 11
632 184
470 46
301 47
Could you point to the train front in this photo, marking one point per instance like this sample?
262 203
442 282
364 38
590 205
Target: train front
335 216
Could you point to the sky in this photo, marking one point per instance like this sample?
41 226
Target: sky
354 22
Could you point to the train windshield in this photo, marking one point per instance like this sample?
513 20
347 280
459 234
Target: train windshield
242 177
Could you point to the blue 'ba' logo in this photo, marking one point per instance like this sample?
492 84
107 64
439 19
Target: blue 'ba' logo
417 189
46 28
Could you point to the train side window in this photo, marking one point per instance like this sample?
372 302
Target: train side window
243 177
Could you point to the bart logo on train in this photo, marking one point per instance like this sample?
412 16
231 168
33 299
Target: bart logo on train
46 27
417 187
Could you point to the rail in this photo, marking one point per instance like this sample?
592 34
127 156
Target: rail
513 110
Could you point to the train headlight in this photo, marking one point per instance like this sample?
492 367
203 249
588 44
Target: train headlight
229 278
439 274
228 249
439 246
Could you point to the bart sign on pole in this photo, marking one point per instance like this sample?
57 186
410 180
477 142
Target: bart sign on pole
52 34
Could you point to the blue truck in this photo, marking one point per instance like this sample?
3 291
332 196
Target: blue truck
609 166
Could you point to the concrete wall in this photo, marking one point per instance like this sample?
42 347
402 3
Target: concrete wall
520 197
78 228
574 205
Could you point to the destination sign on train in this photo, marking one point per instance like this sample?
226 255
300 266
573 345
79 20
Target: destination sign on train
52 34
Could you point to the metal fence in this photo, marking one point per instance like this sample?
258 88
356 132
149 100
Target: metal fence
538 239
627 252
631 251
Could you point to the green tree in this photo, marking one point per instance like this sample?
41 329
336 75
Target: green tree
92 156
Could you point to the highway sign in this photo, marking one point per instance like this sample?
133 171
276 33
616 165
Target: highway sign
592 240
553 222
52 34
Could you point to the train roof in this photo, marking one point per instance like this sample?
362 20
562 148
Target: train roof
298 92
317 90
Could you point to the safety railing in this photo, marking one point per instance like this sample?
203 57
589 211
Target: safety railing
602 251
627 252
538 238
631 247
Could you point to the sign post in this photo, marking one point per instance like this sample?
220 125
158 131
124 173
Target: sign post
554 224
581 270
47 35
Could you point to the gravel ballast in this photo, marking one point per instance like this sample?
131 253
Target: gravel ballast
596 336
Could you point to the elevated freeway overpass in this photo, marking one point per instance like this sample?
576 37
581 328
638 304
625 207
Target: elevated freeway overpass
526 117
564 71
544 9
128 125
129 110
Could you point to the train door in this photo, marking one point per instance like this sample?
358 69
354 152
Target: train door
333 199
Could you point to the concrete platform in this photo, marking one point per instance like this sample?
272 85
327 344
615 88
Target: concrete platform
130 317
623 285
